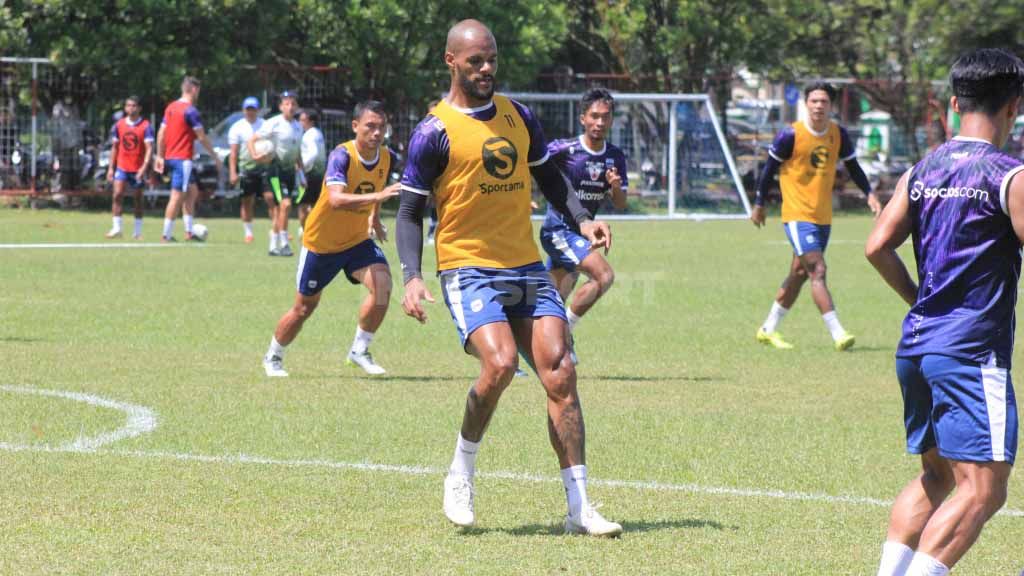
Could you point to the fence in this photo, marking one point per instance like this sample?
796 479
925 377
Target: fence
55 123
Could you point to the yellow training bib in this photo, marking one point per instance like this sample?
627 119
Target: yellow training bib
806 178
483 195
329 231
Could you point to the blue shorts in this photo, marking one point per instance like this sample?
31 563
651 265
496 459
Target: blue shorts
316 271
565 248
181 173
478 296
131 178
966 409
806 237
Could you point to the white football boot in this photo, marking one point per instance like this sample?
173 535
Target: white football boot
274 367
591 522
458 500
364 361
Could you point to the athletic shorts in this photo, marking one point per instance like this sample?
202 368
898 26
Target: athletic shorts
131 179
253 183
478 296
181 173
316 271
310 193
807 237
967 410
565 248
282 182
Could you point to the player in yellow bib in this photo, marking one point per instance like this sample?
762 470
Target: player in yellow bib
337 237
806 154
475 153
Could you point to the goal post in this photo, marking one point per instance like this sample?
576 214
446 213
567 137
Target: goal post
678 159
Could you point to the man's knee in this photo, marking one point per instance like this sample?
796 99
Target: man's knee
305 308
497 369
605 277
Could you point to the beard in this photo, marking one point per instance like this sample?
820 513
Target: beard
470 88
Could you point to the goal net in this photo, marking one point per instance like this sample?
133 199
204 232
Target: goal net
679 163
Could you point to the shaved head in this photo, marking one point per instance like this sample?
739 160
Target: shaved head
471 55
468 33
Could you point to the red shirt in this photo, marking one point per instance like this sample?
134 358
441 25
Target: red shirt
180 122
131 139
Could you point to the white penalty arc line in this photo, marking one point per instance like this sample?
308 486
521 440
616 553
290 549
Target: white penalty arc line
138 419
101 245
142 420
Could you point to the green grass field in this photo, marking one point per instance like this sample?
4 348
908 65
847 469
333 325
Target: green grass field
717 455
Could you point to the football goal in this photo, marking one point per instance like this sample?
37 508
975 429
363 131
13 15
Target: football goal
679 163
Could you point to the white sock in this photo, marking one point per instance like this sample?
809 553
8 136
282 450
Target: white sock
464 461
925 565
896 558
187 219
168 227
777 313
300 230
138 226
362 340
248 228
275 348
282 238
273 240
832 322
117 223
573 318
575 480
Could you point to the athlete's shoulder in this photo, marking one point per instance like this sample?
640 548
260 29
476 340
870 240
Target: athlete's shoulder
614 150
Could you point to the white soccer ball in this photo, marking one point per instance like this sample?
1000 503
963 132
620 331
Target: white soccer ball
264 150
200 231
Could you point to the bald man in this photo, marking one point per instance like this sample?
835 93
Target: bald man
475 153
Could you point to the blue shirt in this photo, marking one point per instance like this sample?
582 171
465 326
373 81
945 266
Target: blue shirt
586 170
968 256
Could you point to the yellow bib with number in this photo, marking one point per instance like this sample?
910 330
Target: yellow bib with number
483 195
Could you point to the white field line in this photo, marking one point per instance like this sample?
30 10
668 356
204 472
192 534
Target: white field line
138 419
408 470
100 245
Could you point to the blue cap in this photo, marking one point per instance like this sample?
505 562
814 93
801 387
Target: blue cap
251 102
287 94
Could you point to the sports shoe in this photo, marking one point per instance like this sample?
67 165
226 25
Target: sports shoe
248 238
136 236
773 339
458 500
274 367
591 522
114 233
168 239
274 252
845 342
285 250
190 237
364 361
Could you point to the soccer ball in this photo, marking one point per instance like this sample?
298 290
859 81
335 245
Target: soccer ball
264 150
200 231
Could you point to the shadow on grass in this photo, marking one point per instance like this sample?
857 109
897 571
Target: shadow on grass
21 339
638 527
638 378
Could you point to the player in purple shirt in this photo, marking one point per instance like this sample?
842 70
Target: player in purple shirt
596 170
963 204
